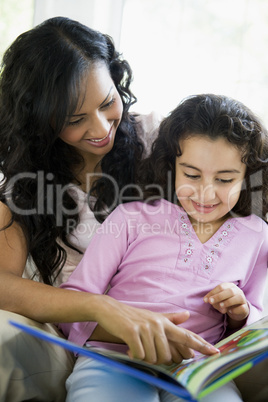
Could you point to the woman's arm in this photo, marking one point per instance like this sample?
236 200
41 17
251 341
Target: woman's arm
149 335
23 296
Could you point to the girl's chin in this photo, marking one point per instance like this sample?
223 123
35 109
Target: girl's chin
198 216
197 219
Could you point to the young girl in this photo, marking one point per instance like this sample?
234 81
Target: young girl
65 128
195 244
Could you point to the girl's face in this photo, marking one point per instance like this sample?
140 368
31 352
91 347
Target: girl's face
209 176
92 127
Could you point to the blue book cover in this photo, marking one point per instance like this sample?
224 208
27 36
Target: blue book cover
190 380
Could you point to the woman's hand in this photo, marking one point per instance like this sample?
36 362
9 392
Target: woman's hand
229 299
152 337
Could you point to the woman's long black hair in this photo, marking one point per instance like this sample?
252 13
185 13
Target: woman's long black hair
41 79
215 117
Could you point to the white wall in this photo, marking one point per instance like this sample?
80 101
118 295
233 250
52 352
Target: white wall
103 15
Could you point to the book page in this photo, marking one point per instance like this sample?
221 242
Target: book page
235 350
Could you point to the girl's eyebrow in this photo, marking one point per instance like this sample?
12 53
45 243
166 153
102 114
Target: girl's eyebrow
220 171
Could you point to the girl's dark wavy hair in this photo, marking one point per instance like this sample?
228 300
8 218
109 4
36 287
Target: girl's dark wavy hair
215 117
41 78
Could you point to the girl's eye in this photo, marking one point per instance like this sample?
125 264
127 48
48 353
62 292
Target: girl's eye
224 181
190 176
108 104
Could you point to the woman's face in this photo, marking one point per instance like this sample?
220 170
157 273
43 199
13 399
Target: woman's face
92 127
209 177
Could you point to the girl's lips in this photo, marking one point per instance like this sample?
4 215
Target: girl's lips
101 142
204 209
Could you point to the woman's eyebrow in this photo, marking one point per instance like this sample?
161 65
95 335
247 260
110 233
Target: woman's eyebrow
220 171
77 115
102 103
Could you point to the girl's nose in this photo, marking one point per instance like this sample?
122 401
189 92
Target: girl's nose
207 193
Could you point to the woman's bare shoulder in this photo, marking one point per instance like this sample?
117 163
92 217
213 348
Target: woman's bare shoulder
5 215
13 245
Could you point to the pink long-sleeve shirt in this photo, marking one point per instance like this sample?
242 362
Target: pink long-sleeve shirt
150 257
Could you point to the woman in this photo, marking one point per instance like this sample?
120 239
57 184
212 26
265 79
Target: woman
65 128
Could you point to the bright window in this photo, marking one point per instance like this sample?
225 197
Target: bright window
178 48
175 47
16 17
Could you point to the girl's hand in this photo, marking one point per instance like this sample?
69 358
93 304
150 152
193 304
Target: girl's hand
229 299
153 337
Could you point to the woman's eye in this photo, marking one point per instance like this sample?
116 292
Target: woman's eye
75 122
108 104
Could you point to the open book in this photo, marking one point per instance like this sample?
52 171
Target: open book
192 379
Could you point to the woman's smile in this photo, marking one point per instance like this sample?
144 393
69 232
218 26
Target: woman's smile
101 142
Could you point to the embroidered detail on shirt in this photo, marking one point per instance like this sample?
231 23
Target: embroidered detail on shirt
222 238
211 250
188 246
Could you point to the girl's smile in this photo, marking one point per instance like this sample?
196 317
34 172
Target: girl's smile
205 209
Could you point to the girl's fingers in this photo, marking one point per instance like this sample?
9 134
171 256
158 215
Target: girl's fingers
221 294
233 301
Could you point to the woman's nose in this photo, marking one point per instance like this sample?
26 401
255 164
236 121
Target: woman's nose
98 127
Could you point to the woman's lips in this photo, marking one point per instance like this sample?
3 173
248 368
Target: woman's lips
100 142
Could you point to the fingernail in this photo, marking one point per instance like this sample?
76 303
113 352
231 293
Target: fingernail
205 299
214 349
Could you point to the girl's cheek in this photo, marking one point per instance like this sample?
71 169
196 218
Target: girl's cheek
185 191
232 195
